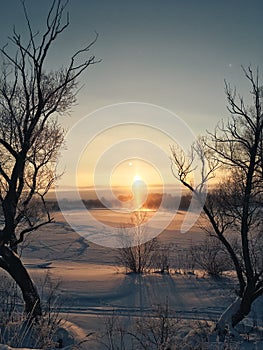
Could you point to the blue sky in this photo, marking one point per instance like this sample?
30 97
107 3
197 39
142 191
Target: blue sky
175 54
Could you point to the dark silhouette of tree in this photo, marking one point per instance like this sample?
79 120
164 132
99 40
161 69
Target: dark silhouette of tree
31 99
234 207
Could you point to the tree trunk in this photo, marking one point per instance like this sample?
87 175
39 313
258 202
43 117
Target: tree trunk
235 313
245 305
225 321
11 263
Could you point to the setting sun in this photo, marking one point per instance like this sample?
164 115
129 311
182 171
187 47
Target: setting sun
140 191
130 171
137 178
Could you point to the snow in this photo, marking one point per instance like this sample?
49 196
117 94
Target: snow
6 347
93 287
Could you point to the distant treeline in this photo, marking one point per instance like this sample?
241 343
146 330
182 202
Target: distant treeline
154 201
73 204
167 201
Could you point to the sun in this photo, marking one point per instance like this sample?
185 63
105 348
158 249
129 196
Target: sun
137 178
139 190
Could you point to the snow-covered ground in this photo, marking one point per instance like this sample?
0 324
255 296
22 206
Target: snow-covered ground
93 287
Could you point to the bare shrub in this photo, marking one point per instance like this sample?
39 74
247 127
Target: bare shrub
211 256
20 330
155 332
137 252
115 335
147 332
183 261
161 258
162 330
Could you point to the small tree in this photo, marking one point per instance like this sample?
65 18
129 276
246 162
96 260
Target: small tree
31 99
136 252
234 207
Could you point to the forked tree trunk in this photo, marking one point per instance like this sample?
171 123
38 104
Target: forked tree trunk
235 313
245 305
225 321
11 263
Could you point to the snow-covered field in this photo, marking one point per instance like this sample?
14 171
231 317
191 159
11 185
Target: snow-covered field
94 288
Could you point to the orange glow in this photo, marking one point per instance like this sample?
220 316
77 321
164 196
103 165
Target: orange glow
132 170
137 178
140 191
122 173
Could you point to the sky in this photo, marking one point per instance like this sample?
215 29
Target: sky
172 54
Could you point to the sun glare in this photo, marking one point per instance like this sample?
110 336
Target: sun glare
133 172
137 178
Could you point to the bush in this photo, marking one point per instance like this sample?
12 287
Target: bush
211 256
136 253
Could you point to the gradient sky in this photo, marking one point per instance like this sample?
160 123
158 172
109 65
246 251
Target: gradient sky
173 53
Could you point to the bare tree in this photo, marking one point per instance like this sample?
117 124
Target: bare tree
234 207
136 250
31 99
